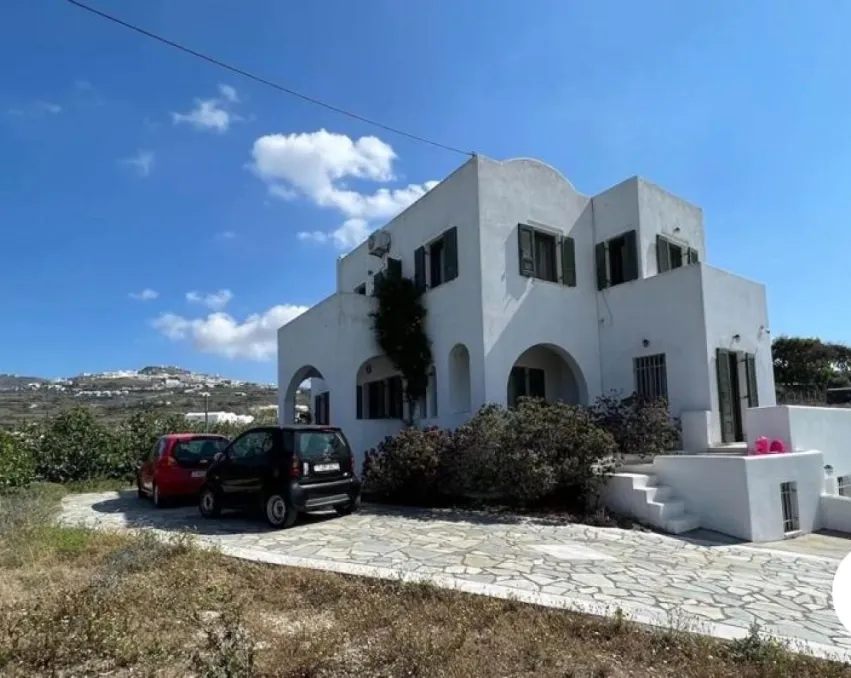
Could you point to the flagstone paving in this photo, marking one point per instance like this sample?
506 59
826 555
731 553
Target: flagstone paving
715 589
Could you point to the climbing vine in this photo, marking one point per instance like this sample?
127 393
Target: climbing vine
399 327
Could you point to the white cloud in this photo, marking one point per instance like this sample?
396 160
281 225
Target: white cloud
37 108
314 165
255 338
146 294
228 93
214 300
143 162
211 114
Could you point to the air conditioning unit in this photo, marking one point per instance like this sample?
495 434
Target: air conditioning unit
379 243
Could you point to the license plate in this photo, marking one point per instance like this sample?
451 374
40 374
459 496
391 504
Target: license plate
323 468
198 474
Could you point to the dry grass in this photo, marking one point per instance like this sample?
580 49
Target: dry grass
80 603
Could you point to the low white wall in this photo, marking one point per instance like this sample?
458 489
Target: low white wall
765 473
696 430
740 496
714 488
827 429
836 513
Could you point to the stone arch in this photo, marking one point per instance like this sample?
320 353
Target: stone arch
460 387
305 373
549 371
379 391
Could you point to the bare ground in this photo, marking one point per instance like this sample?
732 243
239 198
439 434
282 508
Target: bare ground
80 603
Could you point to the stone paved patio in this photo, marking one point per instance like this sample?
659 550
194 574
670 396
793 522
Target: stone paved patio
714 589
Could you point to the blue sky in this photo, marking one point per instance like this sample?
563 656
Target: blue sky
127 166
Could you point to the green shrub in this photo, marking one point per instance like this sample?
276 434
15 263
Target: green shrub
639 426
407 467
471 467
76 446
17 462
553 452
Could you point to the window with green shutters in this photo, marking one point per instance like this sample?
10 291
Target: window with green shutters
437 262
617 260
546 256
670 255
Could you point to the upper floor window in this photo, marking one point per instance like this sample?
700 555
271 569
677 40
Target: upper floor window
673 255
437 262
546 256
617 260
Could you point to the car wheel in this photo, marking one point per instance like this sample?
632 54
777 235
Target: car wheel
279 513
209 503
159 501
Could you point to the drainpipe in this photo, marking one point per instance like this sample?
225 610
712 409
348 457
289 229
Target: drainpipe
597 294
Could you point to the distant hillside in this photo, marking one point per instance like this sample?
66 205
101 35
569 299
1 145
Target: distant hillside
116 394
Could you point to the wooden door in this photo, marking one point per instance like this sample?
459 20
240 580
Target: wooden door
726 399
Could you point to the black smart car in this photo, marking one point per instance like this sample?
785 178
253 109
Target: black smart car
283 471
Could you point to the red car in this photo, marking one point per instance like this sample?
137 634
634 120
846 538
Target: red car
176 466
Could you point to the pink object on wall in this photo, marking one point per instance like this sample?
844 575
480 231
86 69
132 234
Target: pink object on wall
777 447
761 445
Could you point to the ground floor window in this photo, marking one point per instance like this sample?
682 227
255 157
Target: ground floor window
380 399
526 382
322 409
789 502
651 376
844 486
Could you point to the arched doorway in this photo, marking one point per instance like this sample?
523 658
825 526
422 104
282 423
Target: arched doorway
379 392
307 399
546 371
459 379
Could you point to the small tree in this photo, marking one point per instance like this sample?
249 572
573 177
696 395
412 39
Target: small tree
399 327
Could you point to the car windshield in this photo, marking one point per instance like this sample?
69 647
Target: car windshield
312 445
197 449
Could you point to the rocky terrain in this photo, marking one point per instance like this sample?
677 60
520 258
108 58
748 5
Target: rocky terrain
115 394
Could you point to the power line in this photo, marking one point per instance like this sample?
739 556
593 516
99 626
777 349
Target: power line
264 81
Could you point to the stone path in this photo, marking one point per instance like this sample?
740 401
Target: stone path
714 589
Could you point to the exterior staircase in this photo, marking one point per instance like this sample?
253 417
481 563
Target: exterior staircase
639 495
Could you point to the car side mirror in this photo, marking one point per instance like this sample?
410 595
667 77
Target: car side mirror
218 456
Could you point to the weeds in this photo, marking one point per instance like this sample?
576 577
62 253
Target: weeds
91 603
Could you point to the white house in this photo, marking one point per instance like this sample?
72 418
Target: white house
533 288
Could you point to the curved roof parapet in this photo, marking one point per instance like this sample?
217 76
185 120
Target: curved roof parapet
543 165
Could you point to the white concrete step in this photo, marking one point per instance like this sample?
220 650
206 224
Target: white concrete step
737 449
660 512
684 523
638 480
657 492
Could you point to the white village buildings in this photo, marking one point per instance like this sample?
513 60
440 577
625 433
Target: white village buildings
533 288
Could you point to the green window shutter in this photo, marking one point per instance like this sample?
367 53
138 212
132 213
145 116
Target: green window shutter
750 370
602 268
450 254
631 256
419 269
663 254
394 268
693 257
568 262
377 281
725 395
525 250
